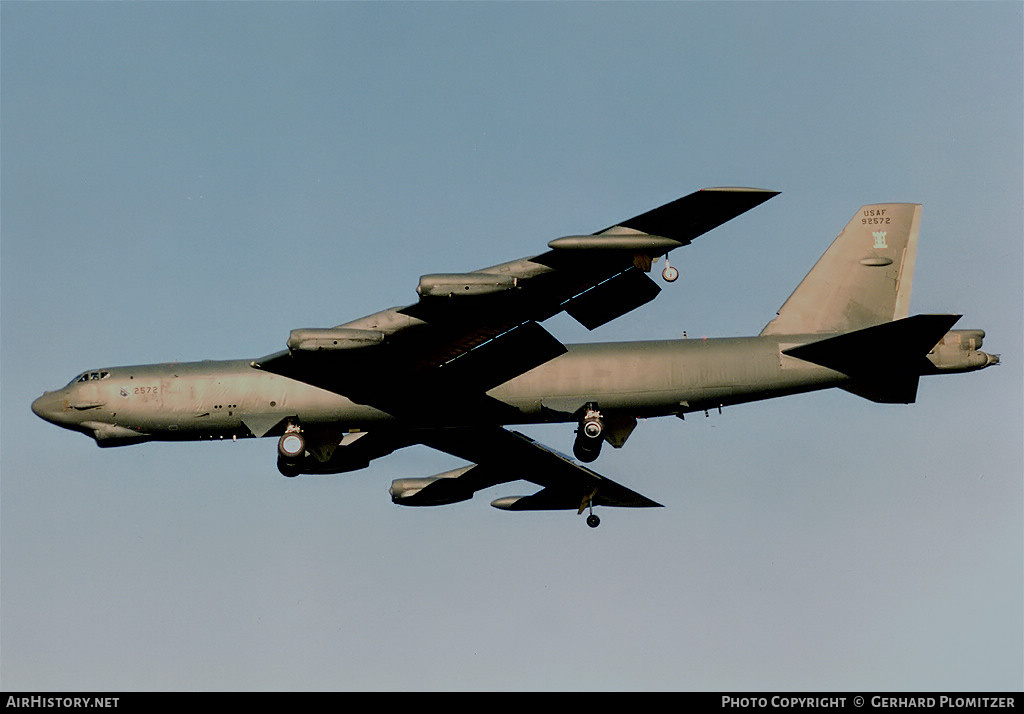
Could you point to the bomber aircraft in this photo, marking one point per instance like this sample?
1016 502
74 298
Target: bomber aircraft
470 357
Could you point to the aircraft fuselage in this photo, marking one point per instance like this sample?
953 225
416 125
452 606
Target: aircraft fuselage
233 399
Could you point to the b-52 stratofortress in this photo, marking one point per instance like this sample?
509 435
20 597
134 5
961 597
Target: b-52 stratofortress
470 358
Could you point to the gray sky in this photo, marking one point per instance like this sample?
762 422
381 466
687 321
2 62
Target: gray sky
191 181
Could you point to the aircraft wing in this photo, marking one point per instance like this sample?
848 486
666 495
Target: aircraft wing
469 332
501 456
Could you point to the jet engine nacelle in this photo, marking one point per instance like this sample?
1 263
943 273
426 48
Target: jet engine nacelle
312 339
623 241
452 284
438 490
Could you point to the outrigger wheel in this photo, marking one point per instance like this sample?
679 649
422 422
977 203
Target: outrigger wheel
588 503
670 274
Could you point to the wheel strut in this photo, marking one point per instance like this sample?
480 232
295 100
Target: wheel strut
588 504
589 435
669 274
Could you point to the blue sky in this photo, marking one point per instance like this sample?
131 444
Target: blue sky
192 181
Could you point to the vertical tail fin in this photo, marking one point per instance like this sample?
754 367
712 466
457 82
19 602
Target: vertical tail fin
863 279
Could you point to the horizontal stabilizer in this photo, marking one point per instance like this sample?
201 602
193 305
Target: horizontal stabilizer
884 361
495 362
886 389
877 348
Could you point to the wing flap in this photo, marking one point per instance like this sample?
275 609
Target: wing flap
613 298
503 358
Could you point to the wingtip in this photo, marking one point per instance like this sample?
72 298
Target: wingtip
741 189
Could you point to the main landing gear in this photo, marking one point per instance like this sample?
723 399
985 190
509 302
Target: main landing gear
291 449
589 435
587 447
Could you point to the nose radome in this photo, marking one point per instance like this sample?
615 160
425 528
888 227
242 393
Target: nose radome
44 406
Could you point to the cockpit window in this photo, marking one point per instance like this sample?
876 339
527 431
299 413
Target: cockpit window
89 377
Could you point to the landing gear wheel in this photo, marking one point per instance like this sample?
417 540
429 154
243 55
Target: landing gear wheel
292 445
670 274
290 450
586 450
589 435
593 521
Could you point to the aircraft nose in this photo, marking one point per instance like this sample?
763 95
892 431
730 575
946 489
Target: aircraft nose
46 406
